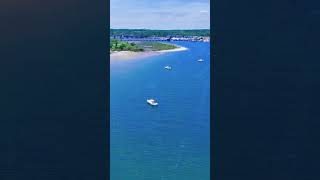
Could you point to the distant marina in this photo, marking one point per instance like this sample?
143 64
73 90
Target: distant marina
170 38
200 35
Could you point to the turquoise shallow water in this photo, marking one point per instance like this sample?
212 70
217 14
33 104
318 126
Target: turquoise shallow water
171 141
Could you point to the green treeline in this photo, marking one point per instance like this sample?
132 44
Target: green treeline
116 45
158 33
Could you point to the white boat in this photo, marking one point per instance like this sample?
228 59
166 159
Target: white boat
200 60
152 102
168 67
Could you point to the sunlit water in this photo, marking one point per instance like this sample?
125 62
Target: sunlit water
171 141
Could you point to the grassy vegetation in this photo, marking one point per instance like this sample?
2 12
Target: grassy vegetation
116 45
158 33
155 46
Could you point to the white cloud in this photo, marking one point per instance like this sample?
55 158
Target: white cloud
204 11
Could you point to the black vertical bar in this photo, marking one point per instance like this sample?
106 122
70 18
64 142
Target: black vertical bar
54 86
266 90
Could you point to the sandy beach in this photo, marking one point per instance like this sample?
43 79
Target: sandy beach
179 48
126 55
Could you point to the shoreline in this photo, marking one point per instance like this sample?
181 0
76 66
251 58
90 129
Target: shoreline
126 55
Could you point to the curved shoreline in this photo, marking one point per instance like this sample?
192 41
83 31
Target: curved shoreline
126 55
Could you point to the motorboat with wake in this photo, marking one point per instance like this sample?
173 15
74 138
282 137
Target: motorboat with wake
168 67
152 102
200 60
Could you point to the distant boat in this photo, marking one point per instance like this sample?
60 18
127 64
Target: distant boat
200 60
152 102
168 67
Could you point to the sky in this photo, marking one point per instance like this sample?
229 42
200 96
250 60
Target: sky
160 14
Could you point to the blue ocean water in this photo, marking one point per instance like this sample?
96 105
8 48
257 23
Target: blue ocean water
171 141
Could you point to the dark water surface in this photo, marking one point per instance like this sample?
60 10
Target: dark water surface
170 141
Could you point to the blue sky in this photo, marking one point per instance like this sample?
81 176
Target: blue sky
160 14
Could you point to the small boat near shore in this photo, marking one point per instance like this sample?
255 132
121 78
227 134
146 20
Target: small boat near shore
152 102
168 67
200 60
